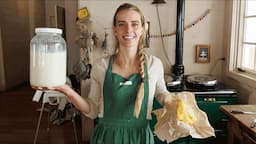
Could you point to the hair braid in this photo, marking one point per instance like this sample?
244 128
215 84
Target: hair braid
140 93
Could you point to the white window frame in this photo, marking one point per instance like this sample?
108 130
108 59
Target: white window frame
236 39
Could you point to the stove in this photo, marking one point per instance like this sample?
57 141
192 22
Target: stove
217 89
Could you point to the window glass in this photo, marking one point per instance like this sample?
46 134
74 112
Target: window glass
251 7
248 54
250 30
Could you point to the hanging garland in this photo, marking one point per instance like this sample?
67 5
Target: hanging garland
185 28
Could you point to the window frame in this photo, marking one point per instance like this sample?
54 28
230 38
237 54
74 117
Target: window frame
236 43
245 19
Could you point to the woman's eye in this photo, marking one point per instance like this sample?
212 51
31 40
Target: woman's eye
120 24
135 24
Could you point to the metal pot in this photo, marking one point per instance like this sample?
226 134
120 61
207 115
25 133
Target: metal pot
202 80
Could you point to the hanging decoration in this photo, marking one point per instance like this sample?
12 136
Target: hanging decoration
185 28
158 2
87 41
105 43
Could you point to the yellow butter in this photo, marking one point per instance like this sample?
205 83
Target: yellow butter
185 113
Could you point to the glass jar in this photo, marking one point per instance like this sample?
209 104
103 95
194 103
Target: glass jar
48 58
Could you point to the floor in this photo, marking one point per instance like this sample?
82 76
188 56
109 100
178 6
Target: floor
19 116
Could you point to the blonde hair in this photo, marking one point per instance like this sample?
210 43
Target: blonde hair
140 53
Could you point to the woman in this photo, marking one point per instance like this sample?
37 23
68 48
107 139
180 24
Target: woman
123 85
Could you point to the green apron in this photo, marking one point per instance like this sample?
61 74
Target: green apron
119 126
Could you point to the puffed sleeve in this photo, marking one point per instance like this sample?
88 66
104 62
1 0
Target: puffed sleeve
95 98
161 89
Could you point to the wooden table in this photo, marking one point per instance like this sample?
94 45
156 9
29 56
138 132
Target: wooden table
239 124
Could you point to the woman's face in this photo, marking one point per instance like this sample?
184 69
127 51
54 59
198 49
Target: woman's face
128 28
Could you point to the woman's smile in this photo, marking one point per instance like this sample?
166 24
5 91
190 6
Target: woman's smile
129 37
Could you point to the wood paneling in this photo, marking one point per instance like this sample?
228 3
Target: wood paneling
2 75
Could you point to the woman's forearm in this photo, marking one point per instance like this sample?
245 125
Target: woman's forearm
80 103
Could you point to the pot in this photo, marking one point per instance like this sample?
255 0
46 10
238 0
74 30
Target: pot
202 80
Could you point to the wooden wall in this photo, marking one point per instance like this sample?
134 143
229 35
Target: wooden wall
17 31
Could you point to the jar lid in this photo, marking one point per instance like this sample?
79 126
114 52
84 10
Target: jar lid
48 30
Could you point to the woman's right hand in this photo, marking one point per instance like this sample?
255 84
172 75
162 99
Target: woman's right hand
42 88
63 88
80 103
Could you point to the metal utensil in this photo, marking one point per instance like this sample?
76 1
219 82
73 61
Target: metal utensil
242 112
253 123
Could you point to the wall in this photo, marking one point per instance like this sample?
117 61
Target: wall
71 28
2 76
36 15
72 33
15 39
18 19
207 31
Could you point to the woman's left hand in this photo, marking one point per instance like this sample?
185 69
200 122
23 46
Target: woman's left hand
170 101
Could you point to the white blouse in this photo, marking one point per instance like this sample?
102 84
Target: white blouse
157 87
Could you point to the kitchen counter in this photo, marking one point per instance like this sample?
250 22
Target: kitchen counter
239 123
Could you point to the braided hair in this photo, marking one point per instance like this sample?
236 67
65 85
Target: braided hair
140 54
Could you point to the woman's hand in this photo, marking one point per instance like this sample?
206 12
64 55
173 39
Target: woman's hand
170 101
80 103
43 88
63 88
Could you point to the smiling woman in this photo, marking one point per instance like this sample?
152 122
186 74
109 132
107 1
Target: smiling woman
127 65
123 85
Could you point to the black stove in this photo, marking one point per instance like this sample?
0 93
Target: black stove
219 88
200 89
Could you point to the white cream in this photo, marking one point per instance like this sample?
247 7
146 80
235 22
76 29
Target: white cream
48 69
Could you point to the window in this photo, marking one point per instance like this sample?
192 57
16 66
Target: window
243 38
248 59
